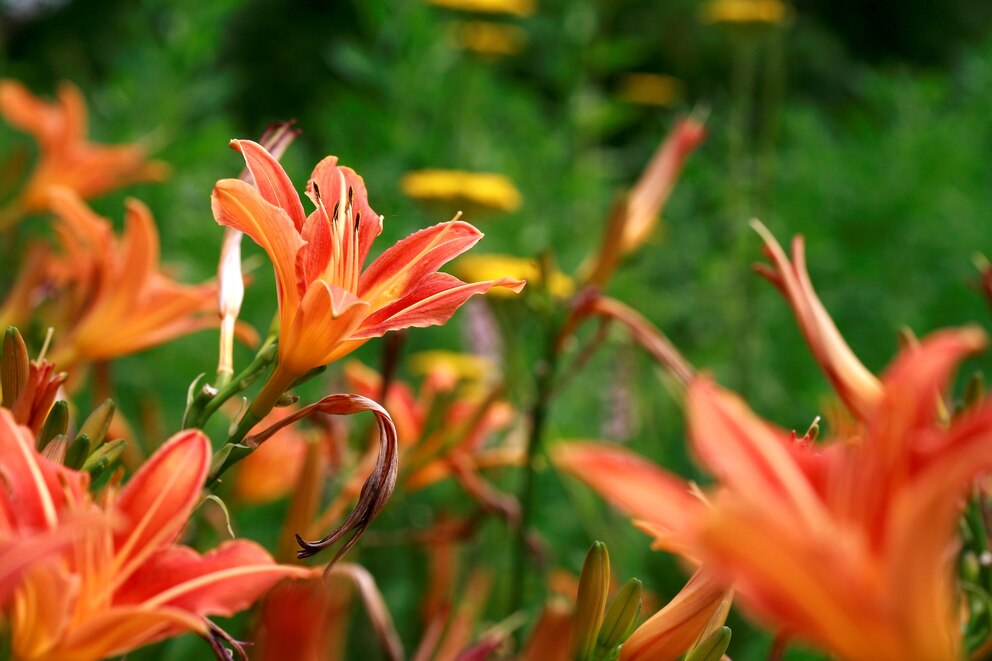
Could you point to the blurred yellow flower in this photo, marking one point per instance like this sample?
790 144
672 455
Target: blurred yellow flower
486 38
744 11
484 189
559 284
452 366
515 7
651 89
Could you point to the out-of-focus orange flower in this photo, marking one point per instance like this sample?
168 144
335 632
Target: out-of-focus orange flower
635 217
551 637
32 276
848 544
118 587
66 157
858 388
272 471
697 610
306 620
115 301
462 423
328 304
442 433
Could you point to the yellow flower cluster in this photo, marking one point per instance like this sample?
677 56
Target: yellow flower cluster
484 189
651 89
745 11
487 38
513 7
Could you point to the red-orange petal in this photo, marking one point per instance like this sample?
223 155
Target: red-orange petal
222 582
271 180
635 485
157 501
409 260
430 302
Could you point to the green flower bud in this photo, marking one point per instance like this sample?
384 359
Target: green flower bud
104 458
590 607
621 617
56 423
96 425
711 648
15 367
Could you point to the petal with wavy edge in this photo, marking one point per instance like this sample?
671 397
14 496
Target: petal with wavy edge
316 256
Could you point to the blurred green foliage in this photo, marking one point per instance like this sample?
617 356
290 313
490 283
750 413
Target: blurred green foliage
865 129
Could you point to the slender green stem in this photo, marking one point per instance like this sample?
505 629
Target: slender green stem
234 450
544 387
206 404
740 200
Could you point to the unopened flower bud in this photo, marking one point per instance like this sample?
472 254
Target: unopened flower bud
590 606
712 647
56 423
96 425
621 617
230 295
15 367
77 452
104 458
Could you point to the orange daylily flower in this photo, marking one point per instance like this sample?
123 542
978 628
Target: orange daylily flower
115 301
329 305
858 388
847 544
635 216
124 586
67 158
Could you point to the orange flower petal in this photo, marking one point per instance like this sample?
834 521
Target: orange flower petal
271 180
157 501
334 181
633 484
239 205
221 582
432 301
